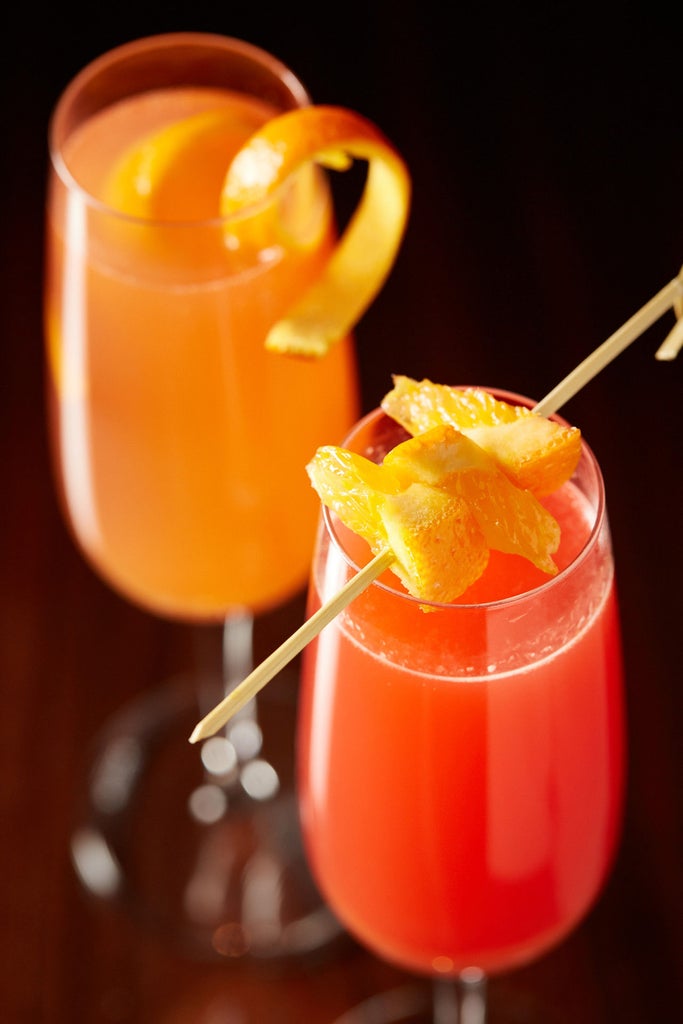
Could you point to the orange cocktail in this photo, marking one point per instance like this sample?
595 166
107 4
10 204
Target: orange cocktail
179 440
461 768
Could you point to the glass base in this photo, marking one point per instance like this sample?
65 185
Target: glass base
473 999
202 843
404 1005
445 1003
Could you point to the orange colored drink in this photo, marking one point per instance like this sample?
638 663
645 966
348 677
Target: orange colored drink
460 769
180 441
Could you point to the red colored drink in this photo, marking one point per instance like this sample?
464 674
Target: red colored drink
461 769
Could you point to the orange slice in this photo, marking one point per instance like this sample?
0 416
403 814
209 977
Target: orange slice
353 487
367 249
537 454
438 546
511 519
439 502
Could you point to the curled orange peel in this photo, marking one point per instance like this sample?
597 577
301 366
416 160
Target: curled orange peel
366 251
178 172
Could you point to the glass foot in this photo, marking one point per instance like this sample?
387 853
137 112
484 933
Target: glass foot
405 1005
470 1000
202 843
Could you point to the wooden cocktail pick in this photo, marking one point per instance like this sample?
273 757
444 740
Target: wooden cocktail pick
669 296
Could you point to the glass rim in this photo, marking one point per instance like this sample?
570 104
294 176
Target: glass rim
587 548
213 41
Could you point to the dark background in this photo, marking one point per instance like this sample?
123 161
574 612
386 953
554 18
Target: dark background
547 157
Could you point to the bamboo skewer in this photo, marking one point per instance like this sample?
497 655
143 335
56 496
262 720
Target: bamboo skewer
670 295
264 672
615 344
672 344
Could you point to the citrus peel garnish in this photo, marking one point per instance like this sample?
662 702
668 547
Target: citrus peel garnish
538 454
439 502
367 249
195 169
176 173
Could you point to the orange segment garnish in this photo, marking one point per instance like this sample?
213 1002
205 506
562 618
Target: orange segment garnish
353 487
511 519
439 502
537 454
438 546
367 249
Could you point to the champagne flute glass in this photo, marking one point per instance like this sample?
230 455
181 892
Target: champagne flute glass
178 449
461 768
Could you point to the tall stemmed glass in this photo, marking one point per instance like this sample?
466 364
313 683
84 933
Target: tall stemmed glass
178 447
461 768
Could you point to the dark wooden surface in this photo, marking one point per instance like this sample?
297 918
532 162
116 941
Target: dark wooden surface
547 157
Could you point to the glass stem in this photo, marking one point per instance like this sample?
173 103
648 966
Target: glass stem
224 657
445 1000
238 655
462 1001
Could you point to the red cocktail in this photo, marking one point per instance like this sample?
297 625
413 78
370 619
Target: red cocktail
461 768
